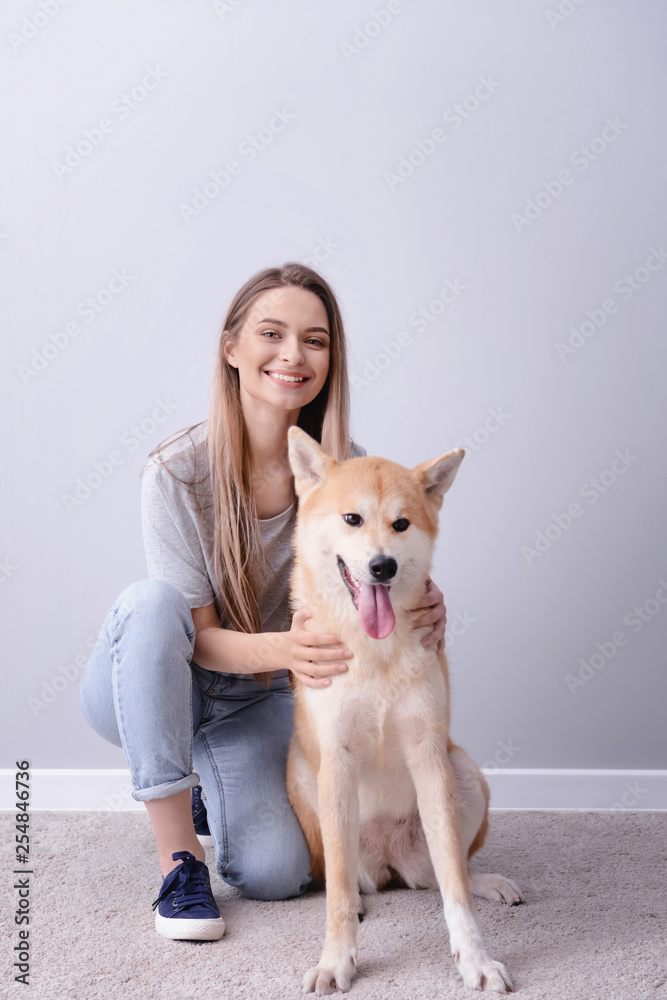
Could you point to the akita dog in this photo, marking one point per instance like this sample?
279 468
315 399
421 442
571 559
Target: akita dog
382 794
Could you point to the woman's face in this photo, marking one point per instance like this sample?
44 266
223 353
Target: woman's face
285 334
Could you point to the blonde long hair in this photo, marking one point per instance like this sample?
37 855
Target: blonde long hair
237 535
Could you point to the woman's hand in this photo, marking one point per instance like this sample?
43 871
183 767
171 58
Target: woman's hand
312 665
436 615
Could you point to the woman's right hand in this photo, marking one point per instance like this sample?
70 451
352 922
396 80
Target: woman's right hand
312 665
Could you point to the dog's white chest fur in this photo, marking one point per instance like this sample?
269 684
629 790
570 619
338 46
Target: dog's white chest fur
365 717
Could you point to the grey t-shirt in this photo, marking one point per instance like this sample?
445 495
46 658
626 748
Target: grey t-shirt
178 537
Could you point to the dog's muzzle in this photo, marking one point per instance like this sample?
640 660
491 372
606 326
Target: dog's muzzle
371 600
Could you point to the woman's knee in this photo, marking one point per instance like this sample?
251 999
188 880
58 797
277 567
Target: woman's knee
267 875
149 628
156 610
153 596
268 883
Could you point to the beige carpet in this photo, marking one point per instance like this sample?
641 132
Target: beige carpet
594 926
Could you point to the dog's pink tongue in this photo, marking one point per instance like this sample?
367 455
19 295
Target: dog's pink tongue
375 611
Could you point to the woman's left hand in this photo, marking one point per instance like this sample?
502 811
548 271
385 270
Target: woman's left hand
435 614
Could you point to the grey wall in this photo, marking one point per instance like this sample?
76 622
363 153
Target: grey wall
520 95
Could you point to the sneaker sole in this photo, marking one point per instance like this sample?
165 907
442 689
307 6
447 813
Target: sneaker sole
190 930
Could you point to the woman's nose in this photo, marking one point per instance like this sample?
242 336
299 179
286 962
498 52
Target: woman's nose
292 352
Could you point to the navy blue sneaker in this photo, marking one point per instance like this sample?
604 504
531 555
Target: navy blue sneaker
186 909
199 812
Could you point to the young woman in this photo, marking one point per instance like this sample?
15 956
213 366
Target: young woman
190 671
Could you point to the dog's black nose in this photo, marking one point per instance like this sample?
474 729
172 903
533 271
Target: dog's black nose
383 568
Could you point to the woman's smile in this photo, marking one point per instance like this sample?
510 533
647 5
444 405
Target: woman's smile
291 380
287 339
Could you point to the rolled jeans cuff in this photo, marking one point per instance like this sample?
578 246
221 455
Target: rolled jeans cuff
166 788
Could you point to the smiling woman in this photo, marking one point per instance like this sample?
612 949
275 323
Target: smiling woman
291 353
191 668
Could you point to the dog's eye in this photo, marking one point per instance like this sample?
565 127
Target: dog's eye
401 525
353 519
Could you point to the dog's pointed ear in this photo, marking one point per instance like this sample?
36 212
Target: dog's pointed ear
309 461
438 475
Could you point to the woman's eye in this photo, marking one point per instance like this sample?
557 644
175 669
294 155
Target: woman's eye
353 519
314 340
401 525
269 331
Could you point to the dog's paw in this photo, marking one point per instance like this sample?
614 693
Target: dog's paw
484 974
497 888
327 977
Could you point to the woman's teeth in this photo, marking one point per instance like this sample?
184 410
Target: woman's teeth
286 378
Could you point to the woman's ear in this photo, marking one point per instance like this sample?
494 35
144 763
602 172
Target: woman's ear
228 350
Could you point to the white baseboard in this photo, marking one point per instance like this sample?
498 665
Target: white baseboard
572 788
511 788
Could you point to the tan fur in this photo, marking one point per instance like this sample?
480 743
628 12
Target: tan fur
383 795
480 836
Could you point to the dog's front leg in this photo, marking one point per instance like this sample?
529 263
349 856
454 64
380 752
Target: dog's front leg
438 803
338 806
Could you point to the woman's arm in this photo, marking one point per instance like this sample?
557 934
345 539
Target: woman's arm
226 651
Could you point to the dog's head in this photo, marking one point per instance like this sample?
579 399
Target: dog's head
366 527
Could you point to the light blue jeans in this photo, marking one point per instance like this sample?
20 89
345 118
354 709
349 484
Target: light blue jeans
142 691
